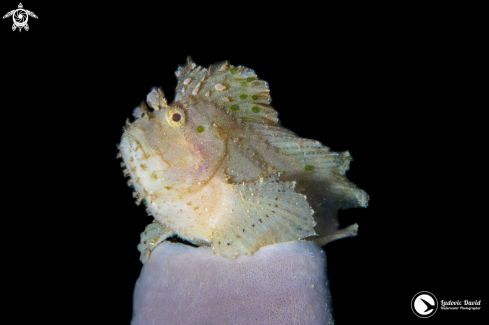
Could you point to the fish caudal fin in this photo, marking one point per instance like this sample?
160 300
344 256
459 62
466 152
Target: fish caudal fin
264 212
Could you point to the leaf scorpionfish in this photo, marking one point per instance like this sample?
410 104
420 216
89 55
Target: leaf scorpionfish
216 168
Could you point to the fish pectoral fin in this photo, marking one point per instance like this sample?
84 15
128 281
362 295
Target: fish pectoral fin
152 236
264 212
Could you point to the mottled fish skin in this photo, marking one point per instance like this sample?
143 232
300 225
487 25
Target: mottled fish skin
216 168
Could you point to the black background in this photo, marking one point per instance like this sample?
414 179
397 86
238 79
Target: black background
402 91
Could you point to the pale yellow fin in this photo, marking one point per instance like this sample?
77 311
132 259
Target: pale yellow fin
236 90
309 151
320 174
322 164
264 212
350 231
153 235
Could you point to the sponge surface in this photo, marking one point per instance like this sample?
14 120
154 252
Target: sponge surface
284 283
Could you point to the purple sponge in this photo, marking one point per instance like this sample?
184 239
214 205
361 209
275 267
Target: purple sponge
284 283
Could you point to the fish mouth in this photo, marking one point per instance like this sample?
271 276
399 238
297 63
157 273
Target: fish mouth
140 159
132 138
129 137
147 151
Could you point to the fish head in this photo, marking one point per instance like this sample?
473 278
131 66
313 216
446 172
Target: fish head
173 150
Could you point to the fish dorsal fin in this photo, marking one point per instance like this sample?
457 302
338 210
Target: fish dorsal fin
311 152
261 213
234 89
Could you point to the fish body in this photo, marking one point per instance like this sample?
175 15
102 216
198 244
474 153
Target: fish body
216 168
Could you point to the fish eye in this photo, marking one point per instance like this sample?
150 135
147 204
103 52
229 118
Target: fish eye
175 117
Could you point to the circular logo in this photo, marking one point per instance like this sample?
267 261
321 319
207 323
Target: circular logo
20 17
424 304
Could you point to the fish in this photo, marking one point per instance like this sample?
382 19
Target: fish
216 168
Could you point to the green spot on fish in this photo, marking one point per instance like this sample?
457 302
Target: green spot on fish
200 129
249 79
243 96
336 203
301 182
243 83
308 168
233 71
234 108
343 203
255 109
254 97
